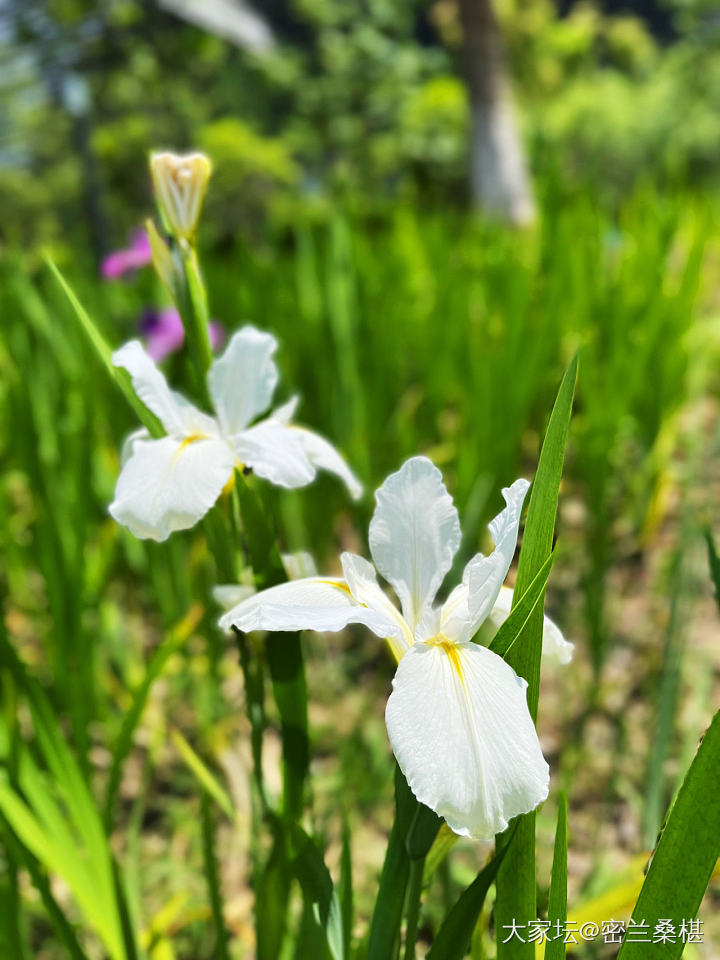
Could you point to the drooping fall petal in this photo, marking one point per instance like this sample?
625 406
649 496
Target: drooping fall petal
461 731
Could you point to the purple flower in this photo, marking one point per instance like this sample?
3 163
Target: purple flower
120 262
164 332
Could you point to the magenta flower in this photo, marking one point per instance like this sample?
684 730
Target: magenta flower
164 333
120 262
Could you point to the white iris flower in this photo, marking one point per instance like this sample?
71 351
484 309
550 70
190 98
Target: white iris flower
169 483
457 718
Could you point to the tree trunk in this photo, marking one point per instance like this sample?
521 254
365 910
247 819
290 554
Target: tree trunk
498 174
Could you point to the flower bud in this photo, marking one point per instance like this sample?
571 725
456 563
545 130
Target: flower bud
162 259
180 183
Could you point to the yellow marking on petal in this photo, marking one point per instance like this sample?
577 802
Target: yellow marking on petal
191 439
395 647
342 586
452 651
186 443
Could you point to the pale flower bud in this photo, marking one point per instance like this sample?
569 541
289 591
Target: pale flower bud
180 183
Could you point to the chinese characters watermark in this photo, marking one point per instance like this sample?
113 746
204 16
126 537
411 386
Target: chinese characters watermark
609 931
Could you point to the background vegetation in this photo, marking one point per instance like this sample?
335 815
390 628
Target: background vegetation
338 218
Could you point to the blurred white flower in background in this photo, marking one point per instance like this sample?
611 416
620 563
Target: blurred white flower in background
554 644
457 718
170 483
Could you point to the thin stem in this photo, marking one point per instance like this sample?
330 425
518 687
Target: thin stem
413 906
193 308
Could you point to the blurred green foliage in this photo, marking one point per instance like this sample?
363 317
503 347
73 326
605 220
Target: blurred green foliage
360 100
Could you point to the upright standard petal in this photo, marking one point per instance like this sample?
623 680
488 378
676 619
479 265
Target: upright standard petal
179 417
323 456
554 644
414 534
470 603
314 603
169 484
242 381
460 727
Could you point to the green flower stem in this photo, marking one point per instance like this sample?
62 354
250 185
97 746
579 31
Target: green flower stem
198 319
284 651
415 882
387 913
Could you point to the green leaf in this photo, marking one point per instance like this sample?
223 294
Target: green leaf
61 925
287 672
317 887
521 612
204 776
516 885
557 905
59 856
212 876
686 853
714 562
387 915
51 831
346 888
104 352
453 938
422 832
132 717
271 897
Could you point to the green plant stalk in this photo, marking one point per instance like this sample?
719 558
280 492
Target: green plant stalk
387 913
454 936
412 913
284 651
557 903
666 703
516 884
192 304
213 879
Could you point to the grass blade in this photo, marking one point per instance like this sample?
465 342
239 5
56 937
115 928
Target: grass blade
557 906
714 561
686 853
345 891
516 885
207 780
318 889
213 880
61 925
453 938
132 717
104 352
387 915
521 612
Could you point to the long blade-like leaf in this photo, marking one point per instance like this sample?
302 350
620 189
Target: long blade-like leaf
122 748
104 352
516 885
387 915
557 905
453 938
212 875
318 889
714 561
684 858
505 638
